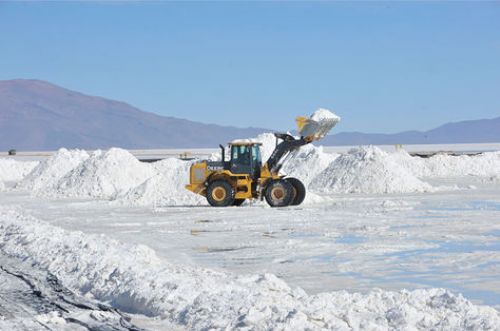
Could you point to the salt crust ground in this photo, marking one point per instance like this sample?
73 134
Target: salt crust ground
135 280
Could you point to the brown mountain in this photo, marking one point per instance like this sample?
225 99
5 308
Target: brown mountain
37 115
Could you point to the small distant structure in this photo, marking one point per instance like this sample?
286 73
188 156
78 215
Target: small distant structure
398 147
186 156
12 152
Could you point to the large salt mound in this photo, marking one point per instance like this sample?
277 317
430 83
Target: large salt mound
367 170
133 279
307 163
48 172
12 170
104 175
166 188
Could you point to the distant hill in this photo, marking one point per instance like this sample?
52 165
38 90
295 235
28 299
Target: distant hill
474 131
37 115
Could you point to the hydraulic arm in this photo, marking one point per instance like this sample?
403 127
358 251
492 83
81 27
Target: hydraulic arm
286 146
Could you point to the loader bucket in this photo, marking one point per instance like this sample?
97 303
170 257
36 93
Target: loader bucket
317 126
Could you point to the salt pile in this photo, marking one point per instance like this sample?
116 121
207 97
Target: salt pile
50 171
12 170
367 170
324 114
104 175
134 279
444 165
308 162
414 164
166 188
441 165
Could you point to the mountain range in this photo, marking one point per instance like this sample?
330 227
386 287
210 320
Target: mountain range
472 131
38 115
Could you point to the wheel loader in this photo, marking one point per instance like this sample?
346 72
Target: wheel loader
244 176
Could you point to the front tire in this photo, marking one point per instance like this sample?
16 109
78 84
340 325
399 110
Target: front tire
220 194
279 193
299 191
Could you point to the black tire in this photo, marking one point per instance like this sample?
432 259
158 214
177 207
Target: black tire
279 193
238 202
220 194
299 191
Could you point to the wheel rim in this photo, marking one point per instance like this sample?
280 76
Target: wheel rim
277 193
219 194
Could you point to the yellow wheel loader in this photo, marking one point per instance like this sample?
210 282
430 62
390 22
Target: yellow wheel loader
244 176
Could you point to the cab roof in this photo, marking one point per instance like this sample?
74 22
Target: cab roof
245 142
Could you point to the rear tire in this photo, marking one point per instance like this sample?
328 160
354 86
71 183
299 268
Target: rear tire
279 193
220 194
238 202
299 191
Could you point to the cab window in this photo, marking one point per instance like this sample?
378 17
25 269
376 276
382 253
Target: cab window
241 154
256 154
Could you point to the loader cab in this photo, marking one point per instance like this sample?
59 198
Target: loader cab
245 158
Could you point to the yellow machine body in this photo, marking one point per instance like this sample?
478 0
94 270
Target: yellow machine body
200 173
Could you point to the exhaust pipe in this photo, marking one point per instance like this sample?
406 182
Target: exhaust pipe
223 153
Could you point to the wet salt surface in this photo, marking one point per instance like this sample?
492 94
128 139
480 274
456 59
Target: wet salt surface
472 205
351 239
495 233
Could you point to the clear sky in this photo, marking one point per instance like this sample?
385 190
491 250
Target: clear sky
383 67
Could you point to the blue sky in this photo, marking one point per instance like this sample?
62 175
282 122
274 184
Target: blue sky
383 67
